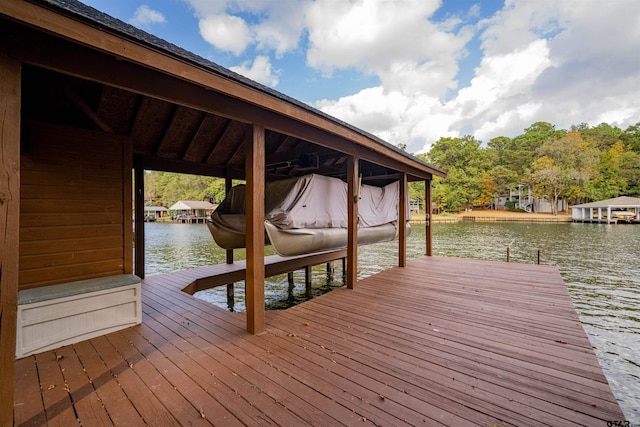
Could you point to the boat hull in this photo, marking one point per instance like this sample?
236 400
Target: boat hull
229 234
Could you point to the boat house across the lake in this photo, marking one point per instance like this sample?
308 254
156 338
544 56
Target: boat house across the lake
86 99
191 210
151 213
618 209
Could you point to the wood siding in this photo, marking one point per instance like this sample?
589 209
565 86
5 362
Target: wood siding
73 206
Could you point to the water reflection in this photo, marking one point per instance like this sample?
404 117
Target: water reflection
599 263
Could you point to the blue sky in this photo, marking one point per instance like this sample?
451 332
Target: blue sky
412 71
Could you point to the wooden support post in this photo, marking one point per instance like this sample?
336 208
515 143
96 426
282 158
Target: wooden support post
138 220
508 253
290 278
352 226
228 183
402 221
344 271
428 221
255 172
127 206
307 280
329 272
10 95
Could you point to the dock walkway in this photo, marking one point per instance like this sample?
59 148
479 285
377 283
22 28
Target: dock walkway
444 341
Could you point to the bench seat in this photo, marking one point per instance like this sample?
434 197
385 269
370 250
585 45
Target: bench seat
50 317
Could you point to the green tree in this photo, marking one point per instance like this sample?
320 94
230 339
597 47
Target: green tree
609 182
166 188
465 163
602 136
522 152
631 137
564 169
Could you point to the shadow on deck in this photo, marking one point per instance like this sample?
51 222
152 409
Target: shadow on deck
443 341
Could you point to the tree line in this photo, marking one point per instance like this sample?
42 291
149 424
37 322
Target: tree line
578 165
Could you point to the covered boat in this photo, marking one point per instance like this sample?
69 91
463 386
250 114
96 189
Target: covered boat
309 214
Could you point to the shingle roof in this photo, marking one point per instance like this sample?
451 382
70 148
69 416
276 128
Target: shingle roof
191 204
617 202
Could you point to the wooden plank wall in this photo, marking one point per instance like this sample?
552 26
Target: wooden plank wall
74 194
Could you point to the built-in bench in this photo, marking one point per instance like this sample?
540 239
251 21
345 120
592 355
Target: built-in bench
53 316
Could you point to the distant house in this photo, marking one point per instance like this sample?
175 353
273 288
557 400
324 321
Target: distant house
152 213
415 206
623 208
522 199
190 210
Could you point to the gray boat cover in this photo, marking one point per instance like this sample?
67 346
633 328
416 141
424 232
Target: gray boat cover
316 201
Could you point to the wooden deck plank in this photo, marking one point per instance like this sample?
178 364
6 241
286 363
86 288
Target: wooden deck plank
441 342
57 402
28 407
104 380
237 393
522 346
434 346
84 397
468 376
146 403
176 403
174 365
252 369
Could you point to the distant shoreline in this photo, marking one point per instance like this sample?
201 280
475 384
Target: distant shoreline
492 216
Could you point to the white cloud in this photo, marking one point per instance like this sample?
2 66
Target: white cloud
274 25
225 32
393 116
393 39
144 17
498 98
592 69
562 62
260 71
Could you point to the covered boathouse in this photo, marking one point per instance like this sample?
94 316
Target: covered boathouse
619 209
85 100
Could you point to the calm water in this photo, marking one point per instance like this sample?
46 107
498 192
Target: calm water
599 263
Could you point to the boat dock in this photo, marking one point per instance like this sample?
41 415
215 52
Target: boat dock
482 218
444 341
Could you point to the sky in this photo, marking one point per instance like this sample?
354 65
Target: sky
414 71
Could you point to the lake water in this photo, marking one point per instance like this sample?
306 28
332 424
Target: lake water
599 263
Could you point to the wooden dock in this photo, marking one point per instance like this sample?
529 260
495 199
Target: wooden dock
442 342
488 218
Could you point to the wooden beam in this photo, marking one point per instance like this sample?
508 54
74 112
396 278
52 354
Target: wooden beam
255 275
95 118
179 166
139 217
427 209
402 221
353 194
10 94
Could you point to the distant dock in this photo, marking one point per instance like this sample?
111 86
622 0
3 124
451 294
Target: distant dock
483 217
